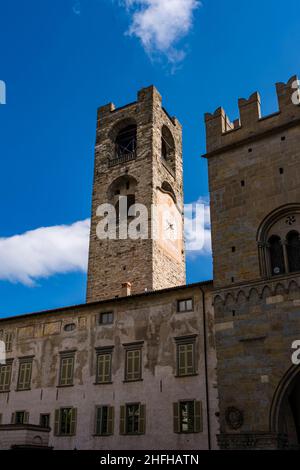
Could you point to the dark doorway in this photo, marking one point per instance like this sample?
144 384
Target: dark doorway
289 415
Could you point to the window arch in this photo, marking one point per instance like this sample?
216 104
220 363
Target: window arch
279 241
293 250
167 145
123 137
125 143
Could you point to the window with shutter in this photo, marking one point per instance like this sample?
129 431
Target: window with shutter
110 420
66 370
142 419
24 377
186 363
133 365
104 360
5 377
8 339
65 421
104 420
133 419
198 422
186 359
73 422
122 419
188 417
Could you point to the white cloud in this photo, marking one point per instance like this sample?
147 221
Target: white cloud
197 228
44 252
77 7
160 24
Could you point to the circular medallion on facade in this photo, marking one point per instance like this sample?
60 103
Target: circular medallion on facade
234 417
290 220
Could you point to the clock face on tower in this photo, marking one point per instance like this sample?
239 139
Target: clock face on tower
169 226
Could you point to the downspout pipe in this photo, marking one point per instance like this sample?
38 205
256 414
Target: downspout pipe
206 369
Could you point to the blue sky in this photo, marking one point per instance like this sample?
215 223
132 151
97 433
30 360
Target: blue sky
61 59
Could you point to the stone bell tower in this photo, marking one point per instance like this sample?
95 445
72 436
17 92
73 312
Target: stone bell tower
138 161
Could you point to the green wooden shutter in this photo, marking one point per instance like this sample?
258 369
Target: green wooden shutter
7 377
190 358
73 421
13 418
104 368
100 368
27 378
20 377
198 419
70 370
107 361
142 419
26 417
98 420
122 420
137 364
57 423
181 359
129 366
110 420
176 420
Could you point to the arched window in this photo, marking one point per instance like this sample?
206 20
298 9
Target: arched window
276 255
167 144
125 143
279 241
293 250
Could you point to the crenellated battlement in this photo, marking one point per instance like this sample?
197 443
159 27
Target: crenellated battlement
221 132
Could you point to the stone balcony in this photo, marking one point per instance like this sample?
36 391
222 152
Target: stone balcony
24 436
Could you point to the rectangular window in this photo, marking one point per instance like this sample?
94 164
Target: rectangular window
65 421
5 377
186 305
0 418
45 420
104 360
106 318
24 377
20 417
66 370
104 420
8 339
133 366
132 419
186 363
188 417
